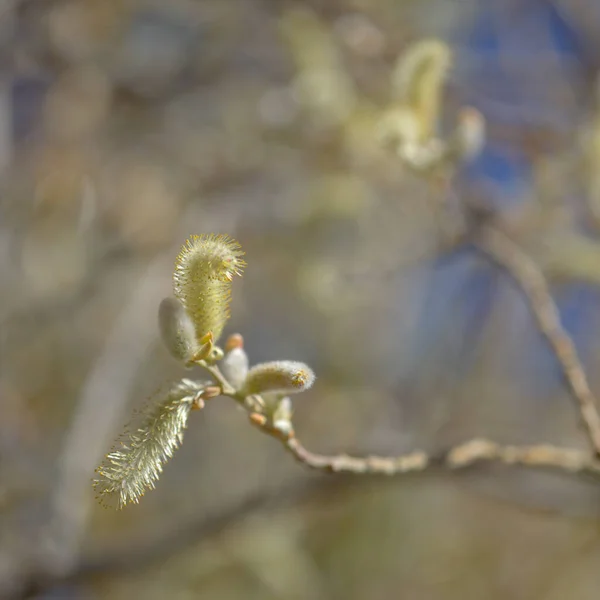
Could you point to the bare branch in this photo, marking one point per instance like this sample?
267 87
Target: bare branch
503 251
457 457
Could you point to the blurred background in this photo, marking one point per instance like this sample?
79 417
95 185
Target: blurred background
125 126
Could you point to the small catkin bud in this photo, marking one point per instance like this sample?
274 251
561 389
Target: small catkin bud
469 136
202 279
215 354
282 416
277 409
177 330
284 376
235 340
235 364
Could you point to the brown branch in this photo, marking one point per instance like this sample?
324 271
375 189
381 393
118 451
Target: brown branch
530 279
504 252
457 457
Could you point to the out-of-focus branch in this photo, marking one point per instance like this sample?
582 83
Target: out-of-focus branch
503 251
101 406
469 136
124 558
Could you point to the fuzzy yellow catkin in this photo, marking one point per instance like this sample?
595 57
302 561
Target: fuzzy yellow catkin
204 269
418 80
283 376
136 462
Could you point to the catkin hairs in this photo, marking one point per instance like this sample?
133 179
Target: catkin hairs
136 462
204 269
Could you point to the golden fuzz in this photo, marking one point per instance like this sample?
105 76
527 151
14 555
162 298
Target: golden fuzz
136 462
204 269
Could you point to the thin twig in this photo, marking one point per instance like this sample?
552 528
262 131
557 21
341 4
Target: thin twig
457 457
463 455
503 251
226 388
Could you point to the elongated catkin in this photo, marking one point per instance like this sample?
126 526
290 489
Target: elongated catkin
204 269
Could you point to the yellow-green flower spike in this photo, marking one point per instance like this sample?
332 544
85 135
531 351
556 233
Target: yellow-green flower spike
134 465
418 81
204 269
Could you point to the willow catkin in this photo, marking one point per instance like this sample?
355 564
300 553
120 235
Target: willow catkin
283 376
418 81
136 462
204 269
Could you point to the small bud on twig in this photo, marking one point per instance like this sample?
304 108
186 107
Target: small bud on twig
177 330
235 364
469 136
282 416
235 340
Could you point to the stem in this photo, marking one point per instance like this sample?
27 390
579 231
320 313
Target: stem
504 252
